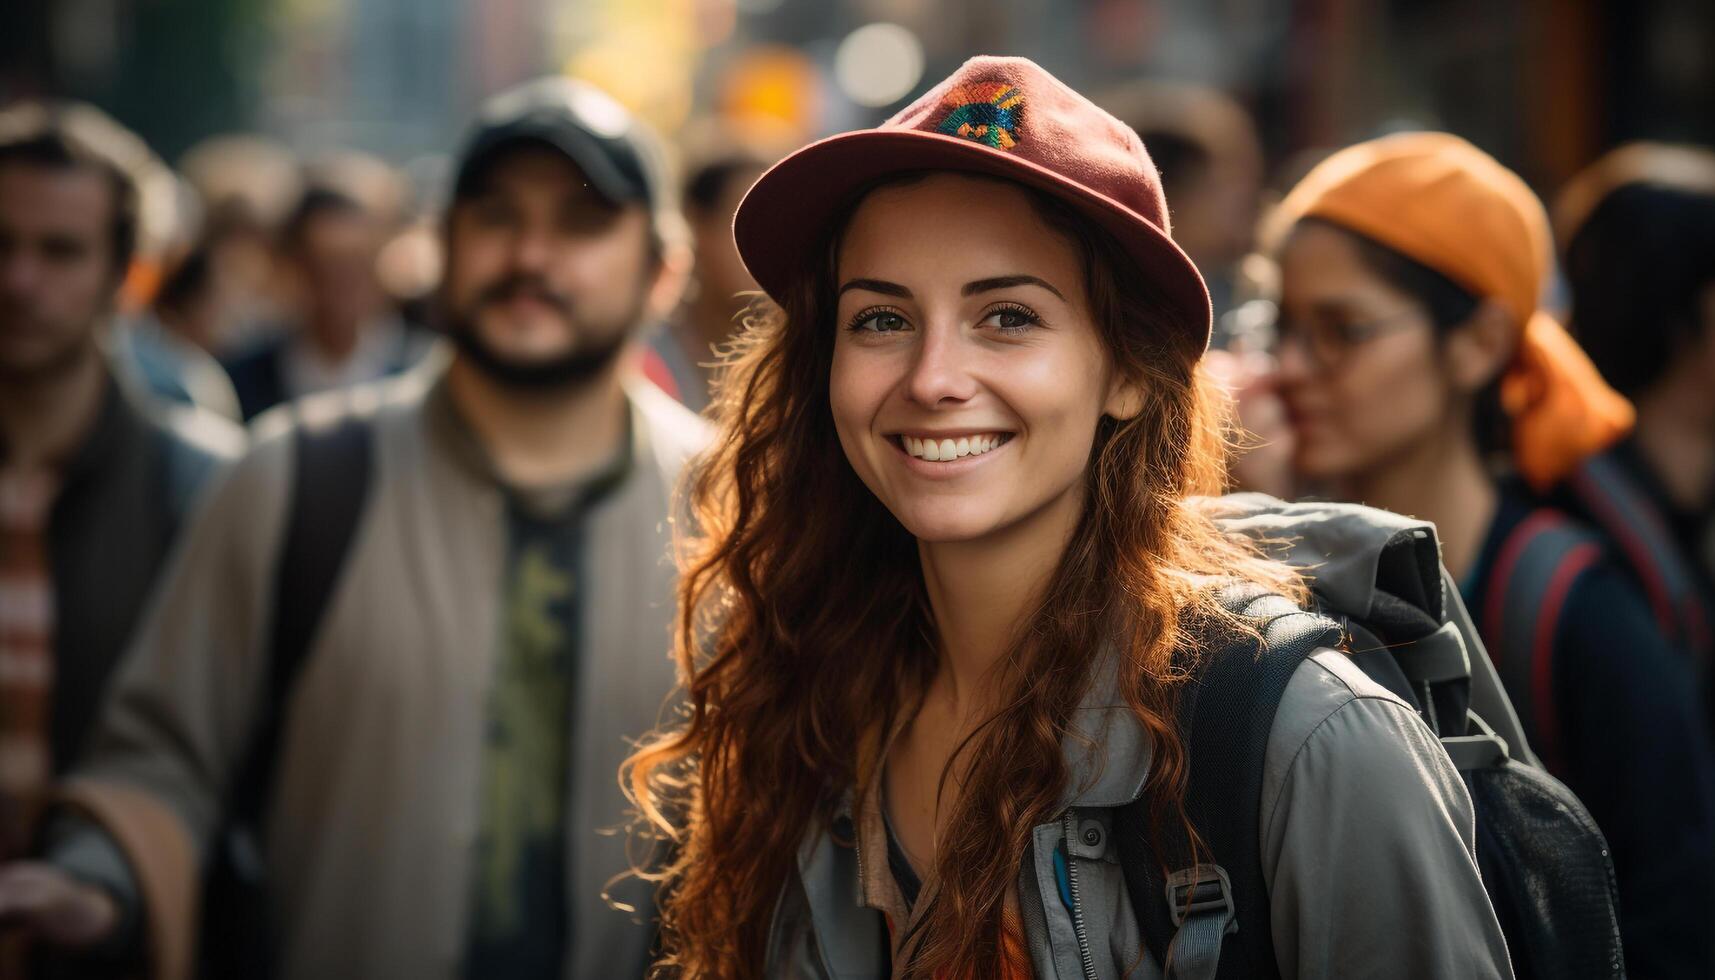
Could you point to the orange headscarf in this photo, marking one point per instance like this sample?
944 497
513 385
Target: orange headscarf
1440 201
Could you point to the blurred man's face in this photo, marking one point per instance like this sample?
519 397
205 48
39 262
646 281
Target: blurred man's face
545 280
335 261
56 265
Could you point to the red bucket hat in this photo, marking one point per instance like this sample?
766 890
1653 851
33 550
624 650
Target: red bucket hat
1002 117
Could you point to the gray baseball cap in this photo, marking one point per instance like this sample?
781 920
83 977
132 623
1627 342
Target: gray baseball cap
620 155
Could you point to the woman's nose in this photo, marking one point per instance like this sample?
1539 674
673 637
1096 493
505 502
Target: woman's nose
941 370
1292 355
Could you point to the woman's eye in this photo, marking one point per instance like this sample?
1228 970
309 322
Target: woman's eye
880 322
1011 320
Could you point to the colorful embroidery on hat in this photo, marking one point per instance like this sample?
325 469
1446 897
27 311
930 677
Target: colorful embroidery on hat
984 113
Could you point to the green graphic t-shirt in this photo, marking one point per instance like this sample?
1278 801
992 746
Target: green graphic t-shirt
518 911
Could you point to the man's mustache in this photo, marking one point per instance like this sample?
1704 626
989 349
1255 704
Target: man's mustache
526 287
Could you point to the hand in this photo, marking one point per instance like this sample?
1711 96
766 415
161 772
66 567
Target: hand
54 907
1263 460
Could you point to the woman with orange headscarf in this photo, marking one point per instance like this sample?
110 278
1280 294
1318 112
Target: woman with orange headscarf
1420 375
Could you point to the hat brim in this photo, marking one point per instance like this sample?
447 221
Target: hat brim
786 212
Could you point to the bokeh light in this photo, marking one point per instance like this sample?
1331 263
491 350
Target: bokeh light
878 64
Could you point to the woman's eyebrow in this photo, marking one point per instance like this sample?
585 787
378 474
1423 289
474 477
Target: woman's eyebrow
1006 282
876 286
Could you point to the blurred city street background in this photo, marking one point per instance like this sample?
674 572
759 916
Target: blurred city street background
1544 85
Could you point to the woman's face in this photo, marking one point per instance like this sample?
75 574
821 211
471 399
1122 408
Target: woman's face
967 375
1371 385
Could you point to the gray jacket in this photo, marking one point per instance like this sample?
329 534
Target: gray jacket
1367 835
1366 831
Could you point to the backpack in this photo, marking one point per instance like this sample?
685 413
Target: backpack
1535 568
330 483
1378 591
1604 494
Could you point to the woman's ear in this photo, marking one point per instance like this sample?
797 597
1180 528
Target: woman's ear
1125 398
1478 350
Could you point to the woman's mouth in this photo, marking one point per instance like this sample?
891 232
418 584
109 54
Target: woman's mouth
946 448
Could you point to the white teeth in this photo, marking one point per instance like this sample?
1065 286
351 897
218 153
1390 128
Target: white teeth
939 450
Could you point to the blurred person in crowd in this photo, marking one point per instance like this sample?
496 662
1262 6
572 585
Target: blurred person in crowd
343 329
410 269
1637 232
153 361
152 342
717 175
1211 163
447 754
1416 364
155 344
948 510
246 185
94 481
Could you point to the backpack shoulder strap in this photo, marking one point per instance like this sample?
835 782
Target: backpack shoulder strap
330 482
1613 502
1190 903
1535 569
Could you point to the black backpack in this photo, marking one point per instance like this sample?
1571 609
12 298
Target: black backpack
1379 591
332 471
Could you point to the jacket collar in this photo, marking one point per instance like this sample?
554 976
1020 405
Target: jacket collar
450 431
1107 755
1107 750
117 431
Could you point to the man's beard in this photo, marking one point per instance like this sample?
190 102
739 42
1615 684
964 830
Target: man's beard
596 347
52 365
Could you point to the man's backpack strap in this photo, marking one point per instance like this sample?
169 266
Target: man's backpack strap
1189 903
330 482
1614 502
1534 572
332 470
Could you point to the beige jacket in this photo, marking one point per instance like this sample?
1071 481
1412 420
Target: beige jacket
376 806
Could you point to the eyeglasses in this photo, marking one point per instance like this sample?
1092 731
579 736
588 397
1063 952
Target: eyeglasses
1328 342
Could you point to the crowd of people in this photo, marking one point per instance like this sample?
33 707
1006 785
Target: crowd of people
729 563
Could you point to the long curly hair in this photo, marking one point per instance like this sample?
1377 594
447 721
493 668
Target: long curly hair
805 629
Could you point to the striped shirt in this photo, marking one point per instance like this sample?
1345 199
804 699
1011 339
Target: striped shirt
26 650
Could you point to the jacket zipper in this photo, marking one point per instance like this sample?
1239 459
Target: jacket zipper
1084 954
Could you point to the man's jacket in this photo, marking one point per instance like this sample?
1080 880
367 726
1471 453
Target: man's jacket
371 832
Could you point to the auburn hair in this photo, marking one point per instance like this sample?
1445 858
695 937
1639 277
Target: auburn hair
804 628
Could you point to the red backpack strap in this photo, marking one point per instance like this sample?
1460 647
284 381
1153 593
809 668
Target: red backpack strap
1621 509
1534 572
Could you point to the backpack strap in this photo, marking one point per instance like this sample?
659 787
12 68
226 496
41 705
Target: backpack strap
1535 569
1614 502
330 482
1189 903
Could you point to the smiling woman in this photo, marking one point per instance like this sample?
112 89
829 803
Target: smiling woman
949 519
945 341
